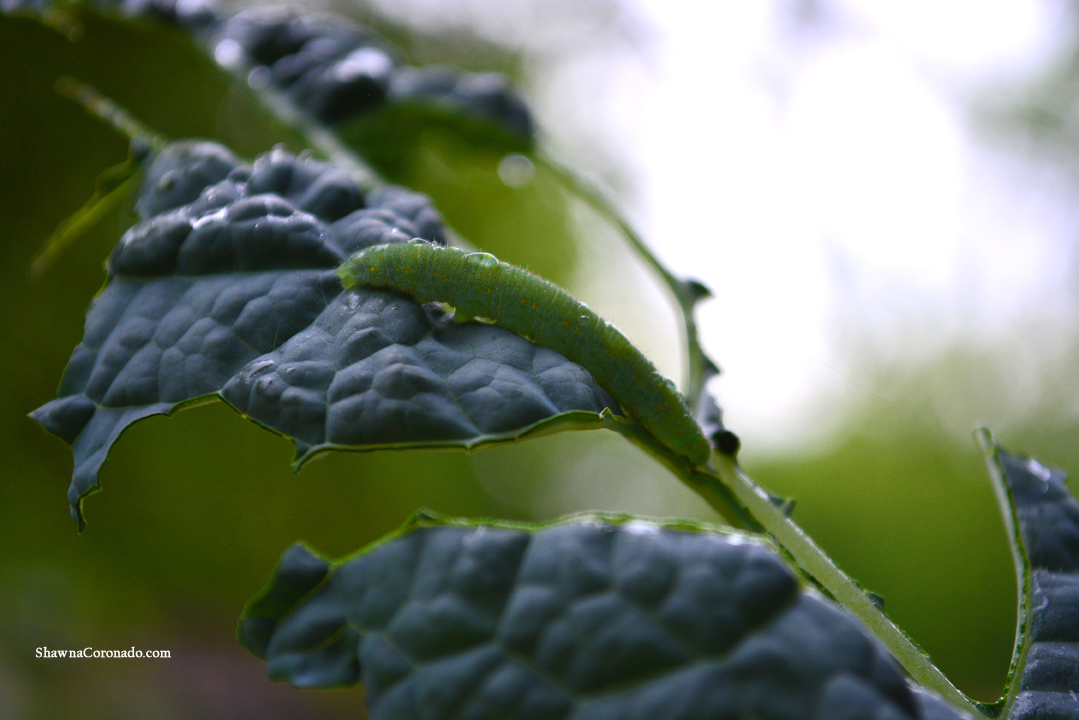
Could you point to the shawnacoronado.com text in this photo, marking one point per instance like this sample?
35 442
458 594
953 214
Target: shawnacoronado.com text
44 652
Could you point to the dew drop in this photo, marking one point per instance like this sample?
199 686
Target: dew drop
259 77
1039 470
640 527
365 61
257 369
482 259
516 170
229 54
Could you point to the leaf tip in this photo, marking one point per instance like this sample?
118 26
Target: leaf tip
696 290
984 437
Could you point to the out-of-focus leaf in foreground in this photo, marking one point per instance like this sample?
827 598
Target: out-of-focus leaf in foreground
592 617
227 288
328 68
1043 519
337 71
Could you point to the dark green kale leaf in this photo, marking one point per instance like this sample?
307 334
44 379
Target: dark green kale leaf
227 289
596 617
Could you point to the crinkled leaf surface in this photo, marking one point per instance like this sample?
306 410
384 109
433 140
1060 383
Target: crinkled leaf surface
595 617
1046 528
228 289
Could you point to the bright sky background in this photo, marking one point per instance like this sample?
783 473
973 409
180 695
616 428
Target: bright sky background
817 164
825 180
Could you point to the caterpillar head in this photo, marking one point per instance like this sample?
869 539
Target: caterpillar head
371 266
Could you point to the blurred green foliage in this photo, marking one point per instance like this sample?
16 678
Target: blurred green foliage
903 503
197 508
912 518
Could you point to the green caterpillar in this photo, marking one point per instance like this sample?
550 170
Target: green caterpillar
477 285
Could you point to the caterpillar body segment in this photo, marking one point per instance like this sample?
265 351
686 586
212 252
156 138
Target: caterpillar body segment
478 285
